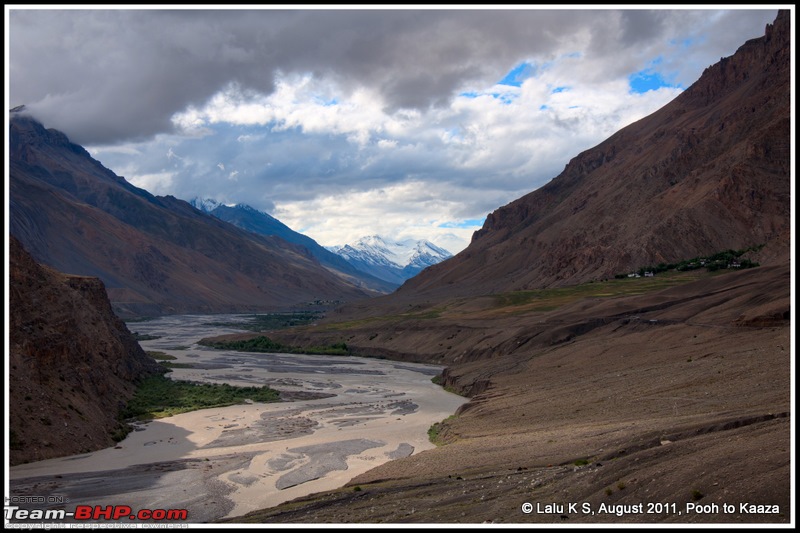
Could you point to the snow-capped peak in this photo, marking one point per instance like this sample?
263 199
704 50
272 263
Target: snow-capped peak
380 251
204 204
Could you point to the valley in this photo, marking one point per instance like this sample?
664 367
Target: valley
340 417
614 346
676 395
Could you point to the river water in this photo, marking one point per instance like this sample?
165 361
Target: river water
347 415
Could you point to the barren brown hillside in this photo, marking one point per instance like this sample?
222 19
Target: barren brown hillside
635 399
72 363
707 172
678 395
155 255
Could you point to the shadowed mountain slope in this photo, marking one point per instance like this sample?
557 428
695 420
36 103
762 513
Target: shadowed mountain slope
72 362
156 255
255 221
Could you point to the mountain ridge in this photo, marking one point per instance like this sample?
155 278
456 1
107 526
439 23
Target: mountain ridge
674 389
259 222
709 171
394 261
156 255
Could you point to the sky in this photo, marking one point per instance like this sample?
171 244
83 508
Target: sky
343 122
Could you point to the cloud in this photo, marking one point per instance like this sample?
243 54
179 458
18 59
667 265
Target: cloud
406 122
108 75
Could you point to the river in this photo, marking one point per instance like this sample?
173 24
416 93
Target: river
225 462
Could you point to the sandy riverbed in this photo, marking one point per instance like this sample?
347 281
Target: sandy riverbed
228 461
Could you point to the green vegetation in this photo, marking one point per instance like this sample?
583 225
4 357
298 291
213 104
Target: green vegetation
120 432
544 300
435 430
166 360
265 344
581 462
712 263
437 380
696 494
161 356
159 396
144 337
273 321
169 365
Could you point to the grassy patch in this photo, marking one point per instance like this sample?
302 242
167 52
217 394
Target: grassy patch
726 259
544 300
161 356
435 430
159 396
144 337
437 380
170 365
267 345
140 319
271 321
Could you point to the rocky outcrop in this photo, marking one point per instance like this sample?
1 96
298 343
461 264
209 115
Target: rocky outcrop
708 172
72 363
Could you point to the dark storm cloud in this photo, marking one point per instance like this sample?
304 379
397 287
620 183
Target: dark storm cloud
110 75
347 122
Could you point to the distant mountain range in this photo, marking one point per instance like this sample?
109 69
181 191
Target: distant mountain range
372 262
155 254
709 171
261 223
393 261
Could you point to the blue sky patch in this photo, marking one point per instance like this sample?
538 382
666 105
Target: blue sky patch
468 223
326 103
518 74
647 80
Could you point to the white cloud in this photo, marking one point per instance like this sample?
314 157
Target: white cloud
396 173
159 183
347 122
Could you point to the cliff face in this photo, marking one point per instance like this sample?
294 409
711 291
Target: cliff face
73 363
706 173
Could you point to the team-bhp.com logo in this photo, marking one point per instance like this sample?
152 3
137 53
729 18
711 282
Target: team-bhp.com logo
95 512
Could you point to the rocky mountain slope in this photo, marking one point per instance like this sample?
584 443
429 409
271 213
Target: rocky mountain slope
156 255
72 362
657 394
707 172
624 395
259 222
